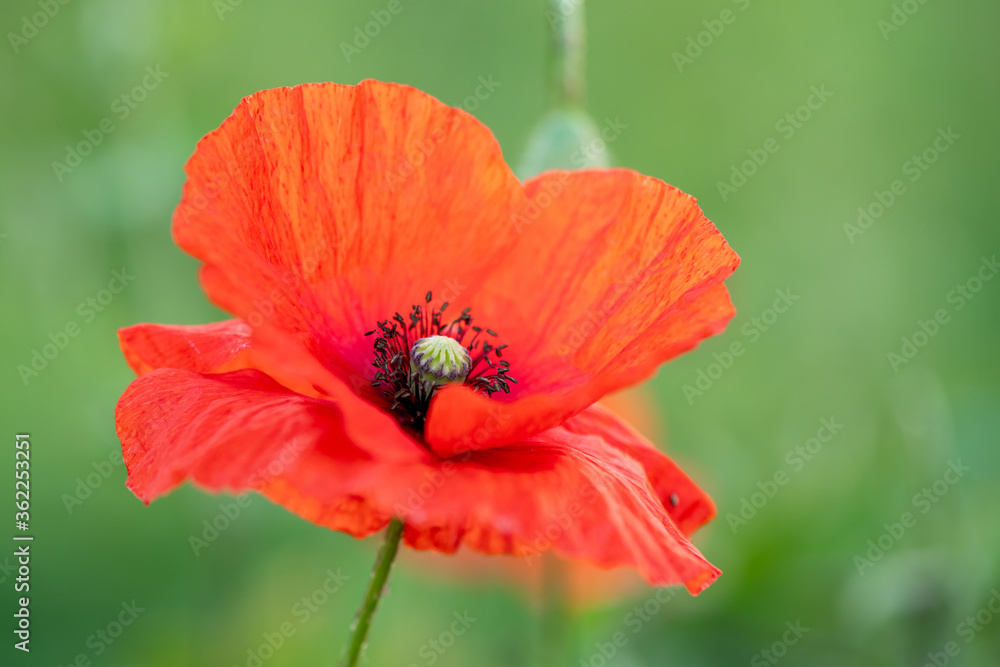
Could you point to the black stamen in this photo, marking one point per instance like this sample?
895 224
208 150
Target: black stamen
404 390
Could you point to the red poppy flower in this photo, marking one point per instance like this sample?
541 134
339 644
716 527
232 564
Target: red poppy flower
319 213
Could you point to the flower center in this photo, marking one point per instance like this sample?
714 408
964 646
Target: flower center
418 355
440 359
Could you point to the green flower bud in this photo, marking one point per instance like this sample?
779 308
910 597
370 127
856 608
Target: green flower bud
440 360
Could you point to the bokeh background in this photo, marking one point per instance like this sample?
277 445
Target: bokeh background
929 67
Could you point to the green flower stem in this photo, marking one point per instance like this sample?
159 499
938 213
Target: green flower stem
380 575
568 47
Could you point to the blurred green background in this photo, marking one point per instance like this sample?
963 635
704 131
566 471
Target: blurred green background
856 293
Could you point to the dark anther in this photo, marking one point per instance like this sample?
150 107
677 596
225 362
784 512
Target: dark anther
405 390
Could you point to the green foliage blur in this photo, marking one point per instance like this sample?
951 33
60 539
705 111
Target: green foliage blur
714 98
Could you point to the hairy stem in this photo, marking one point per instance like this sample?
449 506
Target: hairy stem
376 588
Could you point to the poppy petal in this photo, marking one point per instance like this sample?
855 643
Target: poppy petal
204 348
688 506
321 209
235 431
615 273
232 345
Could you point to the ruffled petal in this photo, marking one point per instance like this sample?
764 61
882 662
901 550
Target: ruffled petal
563 491
238 431
204 348
232 345
687 505
615 274
323 208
